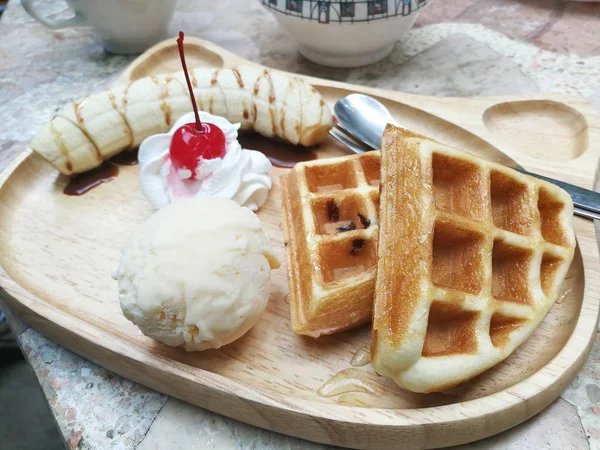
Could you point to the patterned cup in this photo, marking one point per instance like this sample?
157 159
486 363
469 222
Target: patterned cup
345 33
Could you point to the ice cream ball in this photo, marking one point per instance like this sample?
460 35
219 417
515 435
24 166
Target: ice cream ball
196 274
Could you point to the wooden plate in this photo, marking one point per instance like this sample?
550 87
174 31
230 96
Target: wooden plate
59 252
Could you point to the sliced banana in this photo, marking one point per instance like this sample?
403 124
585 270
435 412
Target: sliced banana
98 117
68 149
93 129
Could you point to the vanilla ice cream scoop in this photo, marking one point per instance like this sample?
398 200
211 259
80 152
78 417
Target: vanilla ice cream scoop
196 274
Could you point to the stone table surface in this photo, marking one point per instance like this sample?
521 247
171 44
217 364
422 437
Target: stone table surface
458 48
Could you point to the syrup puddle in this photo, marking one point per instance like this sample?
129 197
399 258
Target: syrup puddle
349 380
281 154
362 357
126 158
566 289
564 295
107 171
80 184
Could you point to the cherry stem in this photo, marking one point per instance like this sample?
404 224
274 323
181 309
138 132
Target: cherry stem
189 84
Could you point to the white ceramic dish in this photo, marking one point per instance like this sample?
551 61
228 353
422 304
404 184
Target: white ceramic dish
127 27
342 33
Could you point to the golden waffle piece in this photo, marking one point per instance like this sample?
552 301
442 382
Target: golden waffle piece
471 258
330 225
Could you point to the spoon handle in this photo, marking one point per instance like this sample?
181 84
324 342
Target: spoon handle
348 142
586 202
585 213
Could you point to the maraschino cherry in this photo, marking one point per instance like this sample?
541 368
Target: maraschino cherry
194 141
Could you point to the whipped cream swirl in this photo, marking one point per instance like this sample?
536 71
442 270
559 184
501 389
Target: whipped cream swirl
241 175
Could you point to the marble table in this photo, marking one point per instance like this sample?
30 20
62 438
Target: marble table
458 48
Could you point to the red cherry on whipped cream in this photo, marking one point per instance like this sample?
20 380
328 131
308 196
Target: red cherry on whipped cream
194 142
190 146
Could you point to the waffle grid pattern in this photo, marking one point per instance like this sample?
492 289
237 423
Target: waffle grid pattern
506 264
338 200
494 270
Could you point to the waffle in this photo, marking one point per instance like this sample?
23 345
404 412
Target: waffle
471 258
330 224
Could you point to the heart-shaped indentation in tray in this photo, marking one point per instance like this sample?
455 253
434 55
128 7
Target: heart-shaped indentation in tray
543 129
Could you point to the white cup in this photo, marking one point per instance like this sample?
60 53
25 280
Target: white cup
125 26
345 33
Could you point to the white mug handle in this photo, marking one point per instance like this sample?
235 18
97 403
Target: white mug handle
76 20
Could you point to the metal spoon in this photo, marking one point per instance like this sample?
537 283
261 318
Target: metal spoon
364 119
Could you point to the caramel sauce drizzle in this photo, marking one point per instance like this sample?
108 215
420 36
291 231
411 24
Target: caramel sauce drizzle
164 93
283 105
300 124
125 94
78 113
322 104
165 106
215 82
167 110
195 85
238 77
215 77
249 114
58 138
255 94
78 108
184 85
272 111
113 101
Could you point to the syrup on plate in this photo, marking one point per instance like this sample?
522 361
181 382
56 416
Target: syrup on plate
82 183
349 380
281 154
361 357
126 158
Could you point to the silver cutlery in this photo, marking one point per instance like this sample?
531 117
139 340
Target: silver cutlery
361 120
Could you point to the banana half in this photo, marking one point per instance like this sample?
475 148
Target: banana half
85 133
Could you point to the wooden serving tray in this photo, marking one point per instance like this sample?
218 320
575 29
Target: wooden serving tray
59 252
